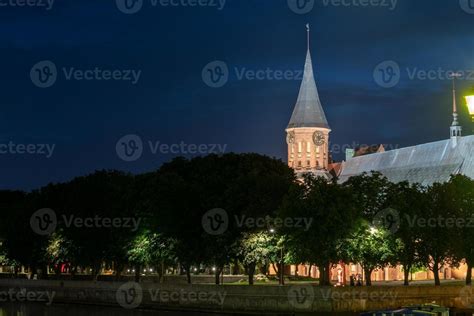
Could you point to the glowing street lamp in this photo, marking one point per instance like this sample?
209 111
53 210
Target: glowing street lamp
470 105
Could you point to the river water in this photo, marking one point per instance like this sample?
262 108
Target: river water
29 309
78 310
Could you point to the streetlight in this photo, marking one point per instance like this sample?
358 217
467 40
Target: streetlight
470 105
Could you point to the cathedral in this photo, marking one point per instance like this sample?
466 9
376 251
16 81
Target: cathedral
308 146
308 137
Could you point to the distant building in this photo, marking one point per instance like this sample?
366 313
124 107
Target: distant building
308 152
308 147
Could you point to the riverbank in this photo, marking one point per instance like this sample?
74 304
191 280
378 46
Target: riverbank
232 298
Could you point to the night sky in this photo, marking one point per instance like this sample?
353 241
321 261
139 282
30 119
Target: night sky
168 47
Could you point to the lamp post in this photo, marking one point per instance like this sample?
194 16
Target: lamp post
470 105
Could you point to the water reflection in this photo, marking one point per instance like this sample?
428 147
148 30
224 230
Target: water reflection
17 309
76 310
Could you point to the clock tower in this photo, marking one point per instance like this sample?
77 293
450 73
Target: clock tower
308 129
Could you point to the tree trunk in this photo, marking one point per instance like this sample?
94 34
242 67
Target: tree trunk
236 267
33 270
137 273
265 268
218 275
161 272
276 268
44 272
436 273
469 273
406 275
368 276
324 274
309 270
73 271
188 276
118 271
296 270
281 274
251 272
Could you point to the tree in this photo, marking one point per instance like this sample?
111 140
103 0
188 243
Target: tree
178 197
371 191
98 196
370 247
329 208
151 249
463 201
22 245
406 201
437 243
254 249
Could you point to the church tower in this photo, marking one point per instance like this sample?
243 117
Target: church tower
456 129
308 130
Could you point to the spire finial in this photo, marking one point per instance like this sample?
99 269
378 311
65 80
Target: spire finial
454 76
308 30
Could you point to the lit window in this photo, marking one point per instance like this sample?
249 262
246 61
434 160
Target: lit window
317 150
308 147
299 147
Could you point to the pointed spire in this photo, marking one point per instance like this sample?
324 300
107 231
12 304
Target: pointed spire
455 108
308 110
456 129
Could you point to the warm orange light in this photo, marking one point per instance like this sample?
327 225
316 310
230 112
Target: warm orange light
470 104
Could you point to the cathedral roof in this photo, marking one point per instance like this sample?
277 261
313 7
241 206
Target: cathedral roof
424 164
308 110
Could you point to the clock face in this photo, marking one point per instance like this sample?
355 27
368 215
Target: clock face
290 138
319 138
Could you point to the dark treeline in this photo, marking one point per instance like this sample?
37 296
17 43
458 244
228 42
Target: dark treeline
159 220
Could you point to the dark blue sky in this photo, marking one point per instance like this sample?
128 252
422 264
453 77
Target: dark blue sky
171 102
